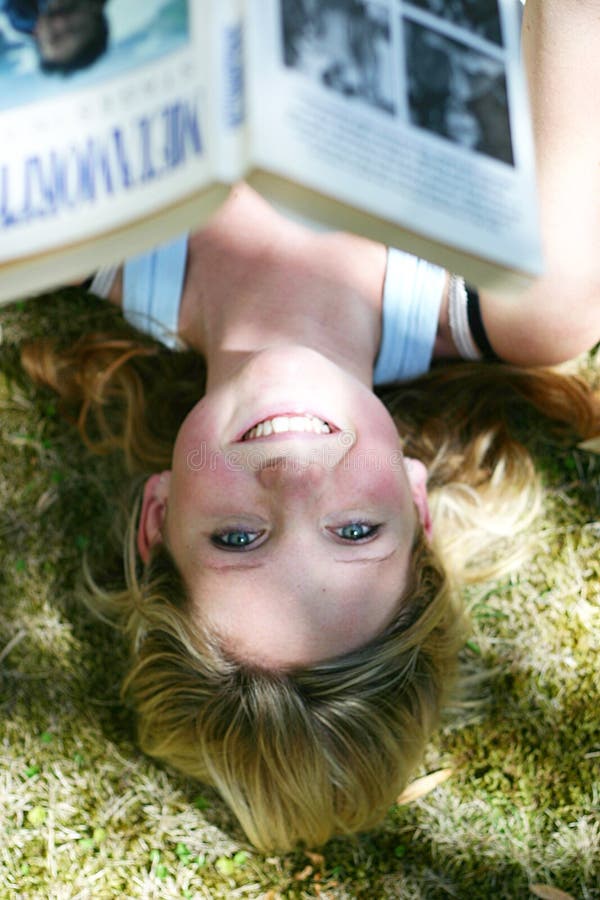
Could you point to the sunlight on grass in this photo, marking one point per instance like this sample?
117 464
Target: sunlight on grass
84 814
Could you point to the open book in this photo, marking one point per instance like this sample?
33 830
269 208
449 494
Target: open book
403 121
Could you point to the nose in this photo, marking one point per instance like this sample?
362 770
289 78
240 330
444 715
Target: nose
291 474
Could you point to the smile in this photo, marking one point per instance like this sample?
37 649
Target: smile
286 424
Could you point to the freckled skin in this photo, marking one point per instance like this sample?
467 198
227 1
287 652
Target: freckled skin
303 594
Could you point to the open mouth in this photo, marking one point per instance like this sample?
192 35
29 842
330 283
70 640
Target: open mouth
285 424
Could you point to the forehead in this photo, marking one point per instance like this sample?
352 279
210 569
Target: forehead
299 613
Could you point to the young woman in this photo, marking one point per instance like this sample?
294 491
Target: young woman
294 632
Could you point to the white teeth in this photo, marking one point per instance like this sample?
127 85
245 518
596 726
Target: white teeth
280 424
283 424
298 423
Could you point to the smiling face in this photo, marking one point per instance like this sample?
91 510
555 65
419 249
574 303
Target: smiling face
65 28
293 538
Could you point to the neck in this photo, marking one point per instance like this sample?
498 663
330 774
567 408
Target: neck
257 280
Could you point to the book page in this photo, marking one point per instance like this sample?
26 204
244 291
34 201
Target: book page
415 113
146 126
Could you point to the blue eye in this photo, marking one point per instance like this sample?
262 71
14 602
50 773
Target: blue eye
237 539
356 531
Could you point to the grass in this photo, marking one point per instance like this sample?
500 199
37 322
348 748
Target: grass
84 815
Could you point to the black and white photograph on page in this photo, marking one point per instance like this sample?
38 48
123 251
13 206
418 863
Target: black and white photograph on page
457 92
482 17
344 45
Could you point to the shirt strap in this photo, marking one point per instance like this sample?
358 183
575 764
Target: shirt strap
152 288
412 296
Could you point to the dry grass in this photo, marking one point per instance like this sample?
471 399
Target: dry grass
84 815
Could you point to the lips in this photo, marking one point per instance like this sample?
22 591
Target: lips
296 424
286 422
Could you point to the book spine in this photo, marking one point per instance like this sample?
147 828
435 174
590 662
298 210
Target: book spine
229 98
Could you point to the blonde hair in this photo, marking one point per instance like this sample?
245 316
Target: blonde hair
305 754
298 755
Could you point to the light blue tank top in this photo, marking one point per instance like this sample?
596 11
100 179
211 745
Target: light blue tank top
412 294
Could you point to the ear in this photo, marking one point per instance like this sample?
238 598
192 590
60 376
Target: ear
417 478
154 507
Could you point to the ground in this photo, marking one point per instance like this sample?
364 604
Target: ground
84 815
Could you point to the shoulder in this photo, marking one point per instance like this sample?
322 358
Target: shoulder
553 321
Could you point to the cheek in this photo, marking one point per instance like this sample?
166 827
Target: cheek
206 479
380 482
